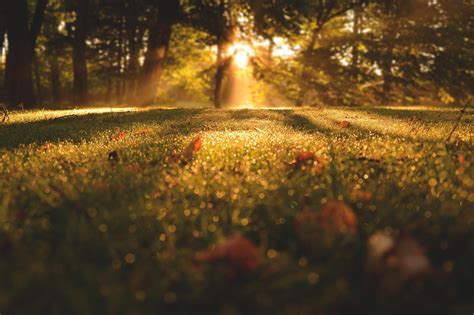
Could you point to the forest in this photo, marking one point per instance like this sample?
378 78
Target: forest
287 52
236 157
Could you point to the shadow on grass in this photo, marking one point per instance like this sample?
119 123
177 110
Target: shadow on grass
84 127
439 114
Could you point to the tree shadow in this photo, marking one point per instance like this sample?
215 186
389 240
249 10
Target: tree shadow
434 115
84 127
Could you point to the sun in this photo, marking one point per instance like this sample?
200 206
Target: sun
241 53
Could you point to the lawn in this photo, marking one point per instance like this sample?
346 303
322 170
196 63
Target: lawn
266 212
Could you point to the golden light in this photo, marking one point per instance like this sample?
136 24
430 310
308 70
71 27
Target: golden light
241 52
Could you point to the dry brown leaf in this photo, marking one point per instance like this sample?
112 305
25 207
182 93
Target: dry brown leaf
188 153
238 252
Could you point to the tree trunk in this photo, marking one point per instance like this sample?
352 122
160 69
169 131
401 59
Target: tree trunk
305 75
357 29
134 35
19 78
159 37
3 30
37 79
387 75
223 65
55 78
3 27
37 23
79 52
157 50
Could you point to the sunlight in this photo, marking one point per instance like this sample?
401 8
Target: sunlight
242 54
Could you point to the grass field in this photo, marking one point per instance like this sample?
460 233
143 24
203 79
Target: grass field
96 218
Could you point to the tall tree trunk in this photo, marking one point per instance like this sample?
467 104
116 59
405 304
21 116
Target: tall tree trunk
19 78
79 52
55 78
37 22
356 30
155 57
219 79
387 75
159 37
305 74
133 39
3 30
223 65
3 26
35 30
37 79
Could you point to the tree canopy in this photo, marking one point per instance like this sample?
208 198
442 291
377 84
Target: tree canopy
303 52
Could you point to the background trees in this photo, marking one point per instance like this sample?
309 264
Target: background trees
340 52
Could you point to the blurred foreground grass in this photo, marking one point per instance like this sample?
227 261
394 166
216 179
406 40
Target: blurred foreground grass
84 232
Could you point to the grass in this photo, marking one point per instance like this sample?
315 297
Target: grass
80 234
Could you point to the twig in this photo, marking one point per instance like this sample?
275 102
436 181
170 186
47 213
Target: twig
458 121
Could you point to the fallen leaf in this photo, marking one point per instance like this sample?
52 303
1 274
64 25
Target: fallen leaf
306 158
322 228
379 245
188 153
238 252
361 195
408 257
132 168
344 124
396 261
337 216
120 136
461 159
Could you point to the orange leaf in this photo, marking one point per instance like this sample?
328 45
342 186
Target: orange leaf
119 136
304 158
461 159
344 124
188 153
337 216
321 228
362 195
238 252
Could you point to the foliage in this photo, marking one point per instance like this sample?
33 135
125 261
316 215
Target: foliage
348 52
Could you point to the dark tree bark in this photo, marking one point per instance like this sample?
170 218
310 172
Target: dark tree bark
307 55
37 80
19 78
387 75
225 36
135 32
37 23
55 78
357 29
223 65
80 52
3 26
3 31
157 49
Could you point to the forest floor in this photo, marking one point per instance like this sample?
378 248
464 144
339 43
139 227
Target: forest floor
314 211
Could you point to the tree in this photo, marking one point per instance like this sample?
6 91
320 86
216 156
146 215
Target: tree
159 37
21 44
80 51
318 14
